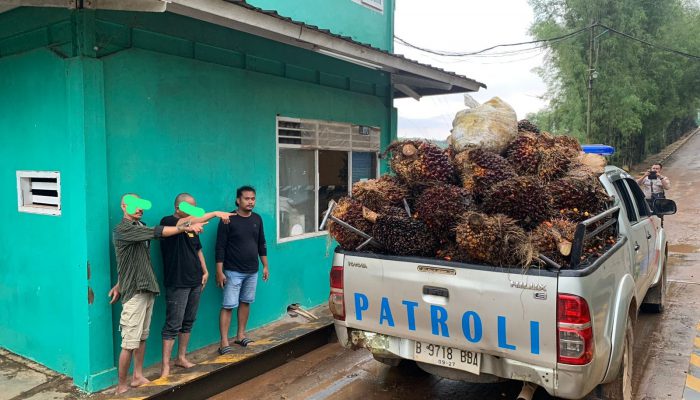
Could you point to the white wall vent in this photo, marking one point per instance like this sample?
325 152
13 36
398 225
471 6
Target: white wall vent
39 192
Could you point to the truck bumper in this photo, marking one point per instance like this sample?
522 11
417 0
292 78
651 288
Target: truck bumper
572 382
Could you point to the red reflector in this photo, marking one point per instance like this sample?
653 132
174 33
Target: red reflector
337 277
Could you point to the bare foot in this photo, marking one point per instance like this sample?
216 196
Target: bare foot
121 389
165 371
136 382
184 363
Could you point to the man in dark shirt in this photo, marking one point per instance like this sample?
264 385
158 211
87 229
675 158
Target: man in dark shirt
185 273
137 286
238 247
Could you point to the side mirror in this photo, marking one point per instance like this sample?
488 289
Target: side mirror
664 207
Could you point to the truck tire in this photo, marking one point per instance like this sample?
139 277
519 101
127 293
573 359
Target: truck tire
655 298
621 387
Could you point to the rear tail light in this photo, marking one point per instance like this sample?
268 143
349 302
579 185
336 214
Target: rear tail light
336 300
574 330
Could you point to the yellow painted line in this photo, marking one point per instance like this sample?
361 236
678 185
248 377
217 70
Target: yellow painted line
697 341
175 379
698 327
227 359
263 342
695 360
693 383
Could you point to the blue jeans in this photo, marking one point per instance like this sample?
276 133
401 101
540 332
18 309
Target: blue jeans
180 310
239 287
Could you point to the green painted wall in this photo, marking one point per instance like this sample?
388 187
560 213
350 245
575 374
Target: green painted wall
175 123
157 104
42 284
343 17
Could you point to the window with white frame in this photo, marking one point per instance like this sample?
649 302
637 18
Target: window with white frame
39 192
318 161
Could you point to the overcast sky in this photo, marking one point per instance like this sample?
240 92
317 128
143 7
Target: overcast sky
463 26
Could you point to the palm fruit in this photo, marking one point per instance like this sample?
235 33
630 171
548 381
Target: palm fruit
578 197
420 161
568 144
542 154
349 211
378 193
438 205
527 126
554 163
480 169
403 235
523 153
554 239
493 239
524 198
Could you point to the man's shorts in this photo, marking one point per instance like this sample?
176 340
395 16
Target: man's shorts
239 287
135 319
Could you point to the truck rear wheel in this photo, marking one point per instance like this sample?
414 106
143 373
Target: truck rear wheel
621 387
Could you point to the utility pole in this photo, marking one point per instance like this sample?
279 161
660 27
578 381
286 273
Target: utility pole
590 83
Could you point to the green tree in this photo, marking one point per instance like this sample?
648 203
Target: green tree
643 97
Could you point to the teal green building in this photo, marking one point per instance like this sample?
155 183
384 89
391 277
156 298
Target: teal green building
99 98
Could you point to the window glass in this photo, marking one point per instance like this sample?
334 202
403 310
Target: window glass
364 166
638 195
332 177
626 200
296 192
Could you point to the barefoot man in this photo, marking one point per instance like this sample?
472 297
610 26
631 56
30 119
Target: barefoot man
136 284
185 273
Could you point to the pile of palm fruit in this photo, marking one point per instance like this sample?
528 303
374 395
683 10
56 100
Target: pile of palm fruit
477 205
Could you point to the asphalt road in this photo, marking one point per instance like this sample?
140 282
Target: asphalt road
662 342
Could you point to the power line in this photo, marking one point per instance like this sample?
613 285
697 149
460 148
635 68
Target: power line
661 47
540 44
462 54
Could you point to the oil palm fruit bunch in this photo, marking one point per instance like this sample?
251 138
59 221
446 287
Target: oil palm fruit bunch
525 125
568 144
578 197
524 154
554 162
480 169
523 198
493 239
438 205
401 235
378 193
349 211
420 161
554 238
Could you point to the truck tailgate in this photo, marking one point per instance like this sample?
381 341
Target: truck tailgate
476 308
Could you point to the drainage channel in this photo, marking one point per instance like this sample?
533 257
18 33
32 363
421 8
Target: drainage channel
227 377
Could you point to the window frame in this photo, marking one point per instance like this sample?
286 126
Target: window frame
627 201
24 187
315 148
638 197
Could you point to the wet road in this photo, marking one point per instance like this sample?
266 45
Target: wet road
662 342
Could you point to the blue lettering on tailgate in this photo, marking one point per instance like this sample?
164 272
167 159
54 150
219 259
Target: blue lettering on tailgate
475 335
472 326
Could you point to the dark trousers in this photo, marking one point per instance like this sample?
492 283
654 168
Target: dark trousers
181 310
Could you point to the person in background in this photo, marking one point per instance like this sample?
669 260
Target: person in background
653 184
239 245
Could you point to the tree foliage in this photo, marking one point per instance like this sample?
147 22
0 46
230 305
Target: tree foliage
643 97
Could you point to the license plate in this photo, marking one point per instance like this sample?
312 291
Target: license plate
436 354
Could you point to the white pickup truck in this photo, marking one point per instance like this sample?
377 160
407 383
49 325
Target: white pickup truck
568 331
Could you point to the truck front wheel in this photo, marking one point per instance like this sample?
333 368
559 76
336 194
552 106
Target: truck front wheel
621 387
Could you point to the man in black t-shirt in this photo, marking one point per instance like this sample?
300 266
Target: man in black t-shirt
238 247
185 273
